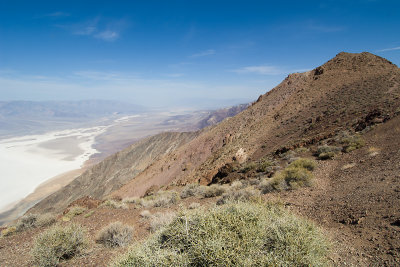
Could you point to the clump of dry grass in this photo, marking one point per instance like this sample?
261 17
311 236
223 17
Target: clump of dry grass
159 220
145 214
327 152
114 204
115 234
296 175
194 205
236 234
73 211
8 231
60 242
214 190
160 199
189 190
244 194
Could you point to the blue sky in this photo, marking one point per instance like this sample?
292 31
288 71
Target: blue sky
180 53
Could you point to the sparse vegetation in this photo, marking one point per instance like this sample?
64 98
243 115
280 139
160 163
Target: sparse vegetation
327 152
27 221
114 204
265 165
189 190
160 199
60 242
244 194
159 220
73 211
240 234
194 205
8 231
249 166
46 219
296 175
351 142
90 213
214 190
115 235
145 214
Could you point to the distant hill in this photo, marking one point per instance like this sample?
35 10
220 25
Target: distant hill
31 117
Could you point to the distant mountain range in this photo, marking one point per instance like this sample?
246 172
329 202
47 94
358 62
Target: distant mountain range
30 117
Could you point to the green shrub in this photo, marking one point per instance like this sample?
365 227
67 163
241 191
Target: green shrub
59 242
292 177
46 219
249 166
189 190
90 213
245 194
326 155
115 234
160 199
265 165
73 211
26 222
352 143
303 163
8 231
114 204
239 234
214 190
327 152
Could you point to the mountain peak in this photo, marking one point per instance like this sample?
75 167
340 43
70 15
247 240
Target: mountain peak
356 62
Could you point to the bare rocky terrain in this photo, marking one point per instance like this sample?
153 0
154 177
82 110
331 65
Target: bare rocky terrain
355 194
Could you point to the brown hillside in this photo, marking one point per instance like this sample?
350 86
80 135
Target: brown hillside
110 174
348 92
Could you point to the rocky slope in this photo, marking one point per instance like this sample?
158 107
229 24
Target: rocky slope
113 172
348 92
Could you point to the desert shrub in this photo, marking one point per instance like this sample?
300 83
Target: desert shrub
301 150
159 220
236 185
194 205
253 181
90 213
292 177
237 234
60 242
326 155
73 211
46 219
327 152
114 204
265 165
303 163
248 166
115 234
245 194
351 143
214 190
145 214
8 231
160 199
134 200
26 222
189 190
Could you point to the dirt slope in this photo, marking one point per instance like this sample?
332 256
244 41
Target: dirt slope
304 108
114 171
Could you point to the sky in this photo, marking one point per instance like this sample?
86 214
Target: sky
180 53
